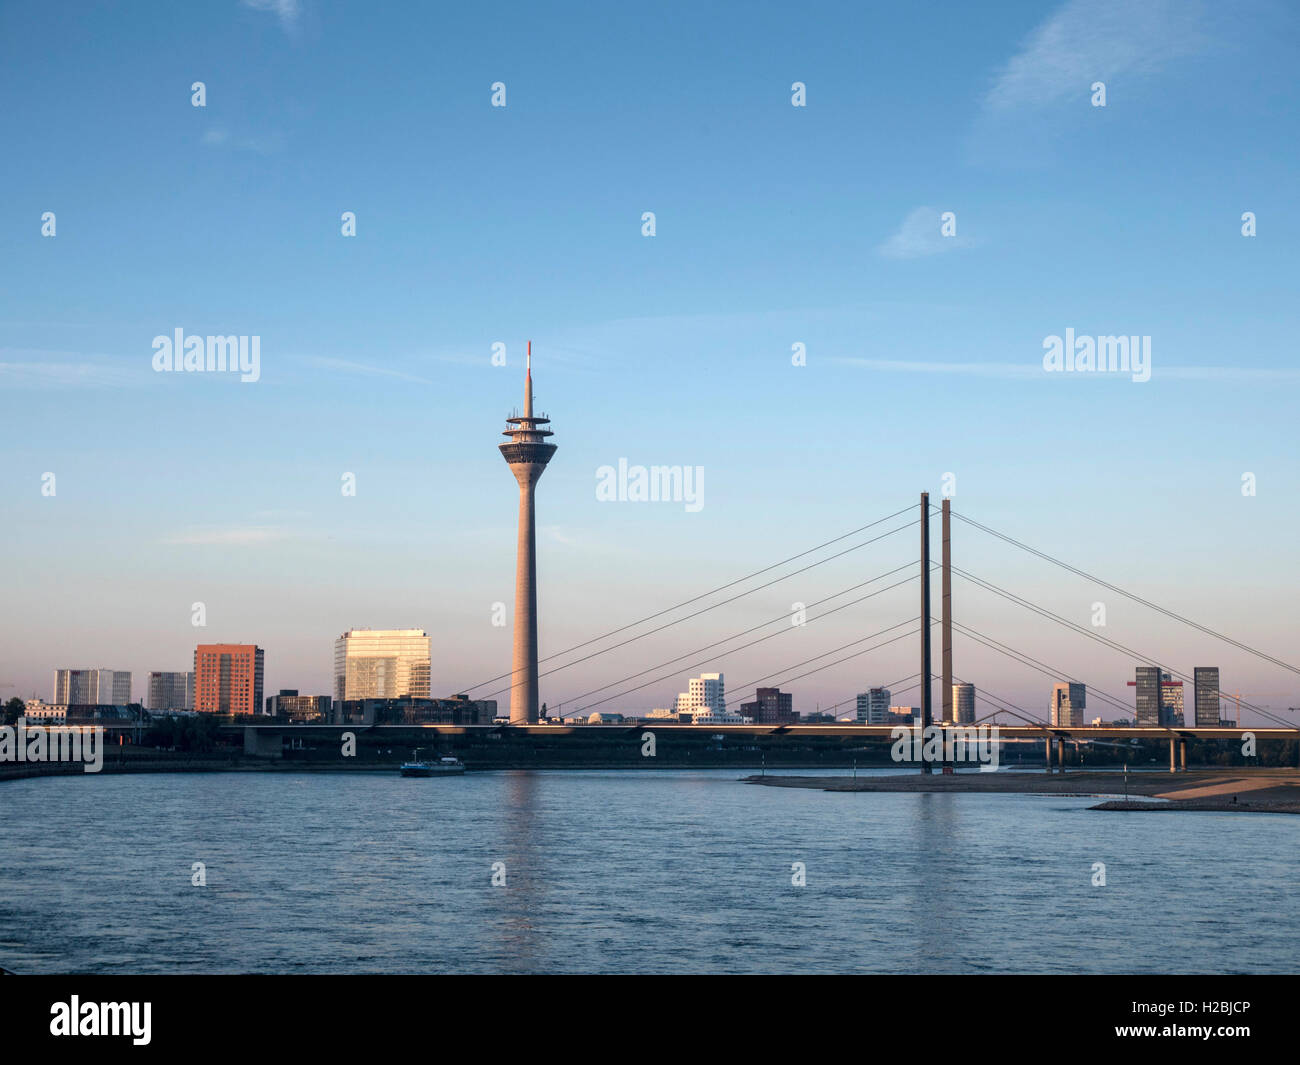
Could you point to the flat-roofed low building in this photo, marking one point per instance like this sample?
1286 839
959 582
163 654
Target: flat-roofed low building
456 710
102 713
719 717
904 715
289 704
45 713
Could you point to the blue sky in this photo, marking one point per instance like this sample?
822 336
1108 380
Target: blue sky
775 225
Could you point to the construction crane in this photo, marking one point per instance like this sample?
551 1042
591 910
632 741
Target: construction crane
1236 697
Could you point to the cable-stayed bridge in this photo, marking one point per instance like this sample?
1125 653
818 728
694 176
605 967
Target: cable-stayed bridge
917 520
913 631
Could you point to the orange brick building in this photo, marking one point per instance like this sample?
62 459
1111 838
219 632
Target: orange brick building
228 678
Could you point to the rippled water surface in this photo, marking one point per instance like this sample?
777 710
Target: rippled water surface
624 872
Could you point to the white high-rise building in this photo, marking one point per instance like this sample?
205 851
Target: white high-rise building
705 694
90 687
873 707
382 664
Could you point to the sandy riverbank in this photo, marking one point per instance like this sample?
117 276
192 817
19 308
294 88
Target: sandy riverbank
1230 791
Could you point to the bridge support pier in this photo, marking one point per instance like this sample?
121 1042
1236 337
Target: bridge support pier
1182 755
1047 753
263 743
927 679
1173 768
1060 755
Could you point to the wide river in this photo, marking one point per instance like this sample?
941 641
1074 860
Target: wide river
624 872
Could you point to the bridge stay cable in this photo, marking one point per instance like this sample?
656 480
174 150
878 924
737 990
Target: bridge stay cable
744 687
1042 667
714 591
735 636
1105 641
1127 594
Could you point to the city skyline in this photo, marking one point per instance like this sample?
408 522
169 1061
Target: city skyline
371 671
478 226
915 388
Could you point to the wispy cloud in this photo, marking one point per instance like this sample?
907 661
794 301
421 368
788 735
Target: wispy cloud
220 137
231 536
972 369
579 540
348 366
287 11
1096 40
1226 373
30 368
1033 369
921 235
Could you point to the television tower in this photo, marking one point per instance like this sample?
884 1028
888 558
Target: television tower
527 453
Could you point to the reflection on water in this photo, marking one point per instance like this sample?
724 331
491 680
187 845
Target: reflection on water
624 872
520 901
933 894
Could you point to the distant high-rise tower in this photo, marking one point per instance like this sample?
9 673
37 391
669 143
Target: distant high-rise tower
1171 701
1206 679
1069 700
228 678
171 691
527 453
1165 709
873 707
963 702
1148 696
107 687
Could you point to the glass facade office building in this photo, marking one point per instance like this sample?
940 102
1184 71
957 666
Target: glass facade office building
1148 696
171 691
91 687
382 664
963 703
1206 680
1069 700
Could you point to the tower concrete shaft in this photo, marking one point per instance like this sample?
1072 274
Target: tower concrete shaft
949 711
927 684
527 454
